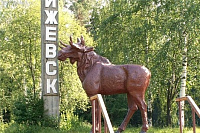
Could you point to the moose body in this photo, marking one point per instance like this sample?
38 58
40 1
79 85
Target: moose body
99 76
115 79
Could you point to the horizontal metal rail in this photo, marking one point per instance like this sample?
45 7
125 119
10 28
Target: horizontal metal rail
195 109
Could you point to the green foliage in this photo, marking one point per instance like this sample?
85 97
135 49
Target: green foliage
71 122
3 126
82 9
50 121
19 50
28 109
23 128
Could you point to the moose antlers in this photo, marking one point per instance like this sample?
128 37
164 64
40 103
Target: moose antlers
79 45
79 42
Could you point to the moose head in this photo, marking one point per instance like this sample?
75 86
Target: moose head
73 51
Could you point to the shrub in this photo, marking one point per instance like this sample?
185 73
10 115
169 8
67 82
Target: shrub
28 109
52 122
71 122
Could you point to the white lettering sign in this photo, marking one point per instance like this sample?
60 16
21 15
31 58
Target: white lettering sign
53 63
48 3
51 85
50 50
51 36
50 39
51 17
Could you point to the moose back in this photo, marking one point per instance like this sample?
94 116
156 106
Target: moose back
99 76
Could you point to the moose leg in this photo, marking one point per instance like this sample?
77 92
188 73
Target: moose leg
132 107
139 99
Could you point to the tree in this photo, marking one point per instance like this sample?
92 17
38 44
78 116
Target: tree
82 10
20 50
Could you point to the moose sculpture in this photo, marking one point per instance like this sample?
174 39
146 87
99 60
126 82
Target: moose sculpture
99 76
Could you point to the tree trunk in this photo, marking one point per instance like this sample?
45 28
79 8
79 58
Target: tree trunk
183 80
169 122
149 102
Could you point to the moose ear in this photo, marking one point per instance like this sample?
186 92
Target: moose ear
88 49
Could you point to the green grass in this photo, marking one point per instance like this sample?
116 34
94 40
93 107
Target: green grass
22 128
162 130
84 128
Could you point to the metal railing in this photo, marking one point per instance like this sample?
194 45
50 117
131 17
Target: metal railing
195 109
101 108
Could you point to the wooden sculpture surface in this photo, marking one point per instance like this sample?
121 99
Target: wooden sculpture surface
99 76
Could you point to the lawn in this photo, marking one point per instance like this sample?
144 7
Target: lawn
16 128
161 130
